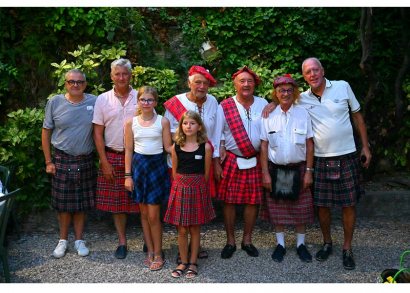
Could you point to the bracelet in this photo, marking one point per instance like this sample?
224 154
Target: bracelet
310 169
222 145
128 174
48 162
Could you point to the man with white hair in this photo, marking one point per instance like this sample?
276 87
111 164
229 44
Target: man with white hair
112 110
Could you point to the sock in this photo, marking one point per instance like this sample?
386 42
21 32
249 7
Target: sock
301 239
280 238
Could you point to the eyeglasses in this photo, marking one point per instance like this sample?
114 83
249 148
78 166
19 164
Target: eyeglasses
77 82
149 101
283 91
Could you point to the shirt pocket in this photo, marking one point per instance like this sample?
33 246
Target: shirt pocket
273 138
299 135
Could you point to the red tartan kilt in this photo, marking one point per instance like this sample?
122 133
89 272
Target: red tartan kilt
240 186
112 197
211 182
281 212
189 203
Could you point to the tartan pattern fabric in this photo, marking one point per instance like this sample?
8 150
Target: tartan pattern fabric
199 69
285 212
175 107
73 186
112 197
240 186
234 120
286 79
151 179
211 184
343 192
189 203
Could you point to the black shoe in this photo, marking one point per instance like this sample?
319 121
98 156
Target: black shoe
145 248
228 251
250 249
121 252
303 253
324 253
348 260
278 253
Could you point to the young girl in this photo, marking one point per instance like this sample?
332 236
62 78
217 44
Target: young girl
146 171
190 204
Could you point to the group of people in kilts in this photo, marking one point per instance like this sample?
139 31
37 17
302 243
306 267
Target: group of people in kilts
279 160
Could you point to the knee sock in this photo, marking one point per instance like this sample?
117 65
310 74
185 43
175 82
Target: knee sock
301 239
280 238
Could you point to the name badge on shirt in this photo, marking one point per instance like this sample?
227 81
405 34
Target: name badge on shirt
89 108
198 157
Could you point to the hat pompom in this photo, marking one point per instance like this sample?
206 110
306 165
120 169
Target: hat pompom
287 75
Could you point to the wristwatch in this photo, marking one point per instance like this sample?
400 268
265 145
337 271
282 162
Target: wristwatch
310 169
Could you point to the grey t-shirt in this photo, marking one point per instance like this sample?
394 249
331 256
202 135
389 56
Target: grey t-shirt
71 123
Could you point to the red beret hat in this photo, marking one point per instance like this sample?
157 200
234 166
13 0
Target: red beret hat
199 69
286 79
245 68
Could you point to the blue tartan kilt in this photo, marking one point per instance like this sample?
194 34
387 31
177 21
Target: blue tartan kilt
151 179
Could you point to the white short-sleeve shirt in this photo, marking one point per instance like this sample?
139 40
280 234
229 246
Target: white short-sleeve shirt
287 133
330 118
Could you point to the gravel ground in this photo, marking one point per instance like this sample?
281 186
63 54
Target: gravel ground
378 244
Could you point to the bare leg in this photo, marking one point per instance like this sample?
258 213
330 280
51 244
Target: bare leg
279 228
250 214
325 219
64 220
349 221
120 220
146 227
195 239
301 229
78 219
156 231
229 219
183 246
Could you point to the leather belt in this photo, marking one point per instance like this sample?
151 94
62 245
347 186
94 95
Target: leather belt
111 150
241 156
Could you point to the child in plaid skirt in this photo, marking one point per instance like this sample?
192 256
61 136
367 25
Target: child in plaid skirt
190 203
146 172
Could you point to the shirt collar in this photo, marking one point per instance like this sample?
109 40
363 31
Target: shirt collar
288 112
328 84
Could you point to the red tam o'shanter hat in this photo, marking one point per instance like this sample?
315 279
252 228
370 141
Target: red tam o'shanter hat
286 79
246 68
199 69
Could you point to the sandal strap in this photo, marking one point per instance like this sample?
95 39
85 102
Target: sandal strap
193 264
191 271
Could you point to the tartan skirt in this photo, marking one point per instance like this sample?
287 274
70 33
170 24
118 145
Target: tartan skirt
112 197
151 179
338 181
286 212
240 186
73 186
189 203
210 184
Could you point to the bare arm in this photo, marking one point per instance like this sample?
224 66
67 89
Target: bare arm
266 179
361 129
108 170
308 177
174 163
46 144
129 151
208 160
166 135
268 109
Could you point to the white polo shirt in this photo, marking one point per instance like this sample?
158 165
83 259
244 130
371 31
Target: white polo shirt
330 118
287 133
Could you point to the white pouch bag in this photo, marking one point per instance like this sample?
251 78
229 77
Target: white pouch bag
246 163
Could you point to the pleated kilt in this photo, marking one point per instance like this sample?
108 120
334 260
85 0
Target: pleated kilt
189 203
211 182
286 212
151 179
240 186
342 192
73 186
112 197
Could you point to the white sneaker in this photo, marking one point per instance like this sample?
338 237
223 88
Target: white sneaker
82 250
60 249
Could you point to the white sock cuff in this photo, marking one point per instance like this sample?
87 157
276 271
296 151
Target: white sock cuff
280 238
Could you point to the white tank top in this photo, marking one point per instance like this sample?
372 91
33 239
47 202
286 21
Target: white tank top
148 140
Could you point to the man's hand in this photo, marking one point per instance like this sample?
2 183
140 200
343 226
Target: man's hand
366 152
307 179
268 109
109 172
218 174
222 154
51 168
267 181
